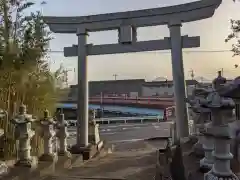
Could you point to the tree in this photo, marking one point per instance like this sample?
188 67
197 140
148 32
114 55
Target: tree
24 75
235 27
24 72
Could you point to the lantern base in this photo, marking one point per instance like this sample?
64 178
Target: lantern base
48 157
88 152
198 149
65 153
3 168
210 176
205 165
31 162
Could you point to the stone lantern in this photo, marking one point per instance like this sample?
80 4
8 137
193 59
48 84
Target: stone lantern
62 135
94 137
206 138
220 131
204 143
236 97
47 132
2 116
3 166
200 117
207 143
24 133
219 81
232 90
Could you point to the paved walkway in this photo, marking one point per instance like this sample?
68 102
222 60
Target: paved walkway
114 133
132 160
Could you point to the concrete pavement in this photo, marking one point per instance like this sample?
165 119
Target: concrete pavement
132 158
116 133
130 161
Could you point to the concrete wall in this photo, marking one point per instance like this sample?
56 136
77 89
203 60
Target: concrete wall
131 88
120 87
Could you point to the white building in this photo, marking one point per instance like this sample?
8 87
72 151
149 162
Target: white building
165 88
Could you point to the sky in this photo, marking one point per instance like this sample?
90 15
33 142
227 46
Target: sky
145 65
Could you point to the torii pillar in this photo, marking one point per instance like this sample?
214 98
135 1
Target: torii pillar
178 79
82 131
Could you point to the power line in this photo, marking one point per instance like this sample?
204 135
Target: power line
167 52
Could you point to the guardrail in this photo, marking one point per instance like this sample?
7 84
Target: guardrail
158 103
125 120
133 98
144 119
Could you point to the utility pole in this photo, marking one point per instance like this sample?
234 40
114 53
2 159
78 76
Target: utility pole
75 75
115 76
65 71
192 74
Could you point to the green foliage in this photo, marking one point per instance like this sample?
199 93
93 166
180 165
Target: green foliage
24 74
235 27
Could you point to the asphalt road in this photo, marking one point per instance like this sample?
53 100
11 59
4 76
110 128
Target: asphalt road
117 133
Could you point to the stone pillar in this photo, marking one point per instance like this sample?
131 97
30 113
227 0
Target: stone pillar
47 132
82 125
62 135
179 80
221 168
24 133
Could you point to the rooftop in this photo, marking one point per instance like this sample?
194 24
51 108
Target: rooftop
168 82
114 82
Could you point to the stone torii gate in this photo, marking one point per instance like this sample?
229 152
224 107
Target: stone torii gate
127 23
